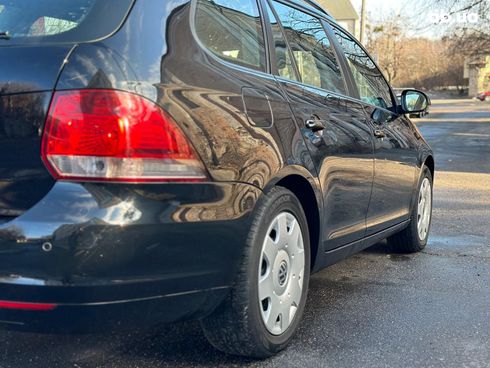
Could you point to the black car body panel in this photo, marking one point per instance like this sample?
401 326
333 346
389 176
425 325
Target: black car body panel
90 244
28 76
395 162
31 68
342 154
163 252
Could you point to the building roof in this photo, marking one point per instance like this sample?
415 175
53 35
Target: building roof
339 9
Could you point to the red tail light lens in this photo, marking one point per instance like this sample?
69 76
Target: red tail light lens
106 135
4 304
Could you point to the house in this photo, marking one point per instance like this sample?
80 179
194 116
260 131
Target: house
477 70
345 14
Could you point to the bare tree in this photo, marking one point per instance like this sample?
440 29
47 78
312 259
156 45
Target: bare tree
471 36
386 42
419 62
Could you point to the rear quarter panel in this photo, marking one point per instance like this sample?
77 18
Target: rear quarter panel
157 55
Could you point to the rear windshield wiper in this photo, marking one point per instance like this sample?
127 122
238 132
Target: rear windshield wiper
4 35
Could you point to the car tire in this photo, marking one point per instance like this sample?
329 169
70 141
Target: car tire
271 280
414 237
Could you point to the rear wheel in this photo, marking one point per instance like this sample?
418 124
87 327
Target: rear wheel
414 237
265 305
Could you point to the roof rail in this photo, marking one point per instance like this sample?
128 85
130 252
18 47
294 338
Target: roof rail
316 6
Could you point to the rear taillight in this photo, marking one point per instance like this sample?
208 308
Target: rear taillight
4 304
107 135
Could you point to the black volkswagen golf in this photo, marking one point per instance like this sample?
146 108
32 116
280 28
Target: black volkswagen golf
194 159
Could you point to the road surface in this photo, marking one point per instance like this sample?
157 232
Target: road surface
375 309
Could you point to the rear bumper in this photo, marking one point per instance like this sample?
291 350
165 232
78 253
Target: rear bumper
119 255
111 315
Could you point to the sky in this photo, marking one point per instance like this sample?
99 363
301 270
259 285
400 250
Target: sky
381 5
420 19
380 9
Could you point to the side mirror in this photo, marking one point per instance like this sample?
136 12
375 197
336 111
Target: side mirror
414 101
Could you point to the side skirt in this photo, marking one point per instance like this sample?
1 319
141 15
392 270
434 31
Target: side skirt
338 254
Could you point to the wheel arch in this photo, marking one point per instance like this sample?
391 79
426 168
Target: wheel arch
305 189
429 162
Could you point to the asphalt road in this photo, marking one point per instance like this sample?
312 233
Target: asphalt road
375 309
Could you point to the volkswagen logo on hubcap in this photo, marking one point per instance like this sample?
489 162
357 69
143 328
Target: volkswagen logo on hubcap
283 273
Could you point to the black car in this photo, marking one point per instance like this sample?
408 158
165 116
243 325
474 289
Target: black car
194 159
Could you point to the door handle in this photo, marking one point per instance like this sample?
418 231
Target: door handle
378 133
315 124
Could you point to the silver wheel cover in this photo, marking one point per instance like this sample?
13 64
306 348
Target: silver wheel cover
281 273
424 211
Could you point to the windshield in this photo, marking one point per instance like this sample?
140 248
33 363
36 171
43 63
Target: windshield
54 21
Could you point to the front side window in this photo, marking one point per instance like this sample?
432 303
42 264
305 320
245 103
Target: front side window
313 53
232 30
373 88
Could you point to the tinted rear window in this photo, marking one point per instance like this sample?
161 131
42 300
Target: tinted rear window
232 30
59 21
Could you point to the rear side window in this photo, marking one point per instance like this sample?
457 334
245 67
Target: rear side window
284 60
313 53
59 21
232 30
373 88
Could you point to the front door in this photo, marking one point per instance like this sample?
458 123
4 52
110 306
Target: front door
395 162
395 157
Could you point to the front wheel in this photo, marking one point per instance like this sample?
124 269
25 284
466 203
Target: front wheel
414 237
265 305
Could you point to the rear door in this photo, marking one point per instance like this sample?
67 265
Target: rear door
333 125
395 155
